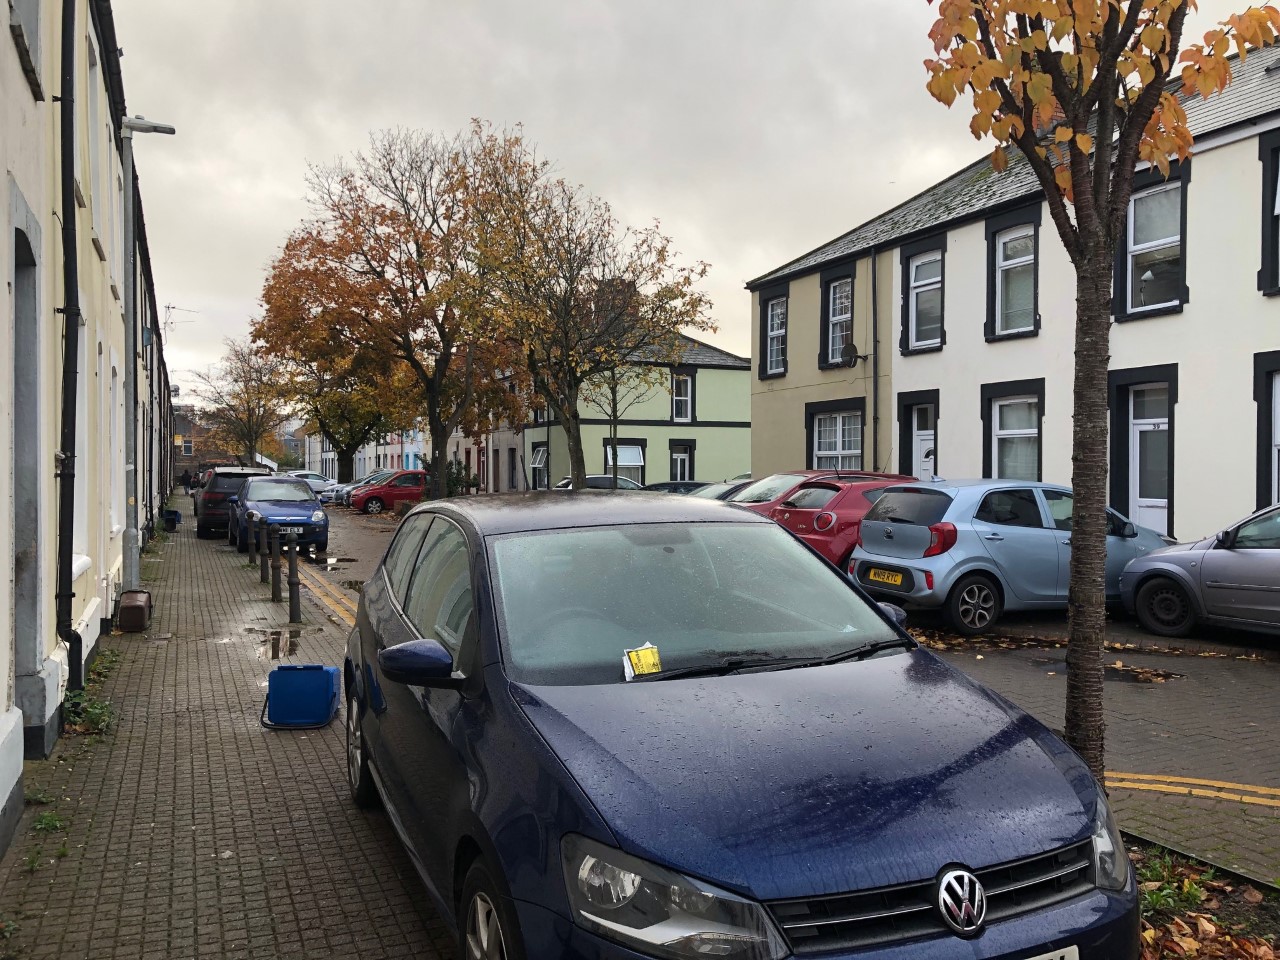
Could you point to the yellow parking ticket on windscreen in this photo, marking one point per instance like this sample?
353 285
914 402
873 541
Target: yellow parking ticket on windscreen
641 660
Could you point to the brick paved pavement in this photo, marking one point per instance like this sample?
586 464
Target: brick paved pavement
192 831
1217 723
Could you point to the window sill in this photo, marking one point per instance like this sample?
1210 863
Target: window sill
928 348
1168 311
830 365
1013 335
776 375
29 68
1271 292
116 530
80 564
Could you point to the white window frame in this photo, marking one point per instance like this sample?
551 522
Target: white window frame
839 451
680 465
915 288
626 463
1275 438
776 335
678 397
188 447
997 434
538 468
1003 265
839 323
1132 250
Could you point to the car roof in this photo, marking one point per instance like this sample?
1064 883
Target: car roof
246 471
954 487
499 513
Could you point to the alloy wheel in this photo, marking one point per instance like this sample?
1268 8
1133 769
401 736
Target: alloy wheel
373 506
1168 607
484 930
977 606
355 746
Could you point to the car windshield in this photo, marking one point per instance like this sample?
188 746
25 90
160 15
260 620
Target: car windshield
573 601
910 505
279 491
712 491
770 488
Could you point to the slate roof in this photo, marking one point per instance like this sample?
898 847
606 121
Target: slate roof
698 354
1254 92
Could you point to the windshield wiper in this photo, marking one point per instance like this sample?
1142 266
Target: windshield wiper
716 668
862 652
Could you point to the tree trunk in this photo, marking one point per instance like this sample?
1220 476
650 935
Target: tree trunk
439 458
1086 723
573 439
613 423
346 465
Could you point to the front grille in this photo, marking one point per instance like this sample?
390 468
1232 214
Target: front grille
907 912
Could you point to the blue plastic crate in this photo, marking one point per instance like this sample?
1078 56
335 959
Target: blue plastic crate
302 695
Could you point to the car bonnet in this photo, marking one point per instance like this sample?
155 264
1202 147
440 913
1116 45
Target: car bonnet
818 780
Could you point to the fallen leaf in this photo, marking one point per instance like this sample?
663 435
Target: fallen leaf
1250 895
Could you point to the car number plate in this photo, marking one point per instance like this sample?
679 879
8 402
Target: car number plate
290 529
895 580
1066 953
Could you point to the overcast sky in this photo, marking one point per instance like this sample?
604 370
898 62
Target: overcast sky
754 130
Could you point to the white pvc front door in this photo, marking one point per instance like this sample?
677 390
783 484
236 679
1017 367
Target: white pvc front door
923 441
1149 456
1275 435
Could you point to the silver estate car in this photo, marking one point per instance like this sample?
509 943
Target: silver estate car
976 548
1232 579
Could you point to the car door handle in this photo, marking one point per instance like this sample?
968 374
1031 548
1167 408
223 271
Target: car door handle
993 536
1066 542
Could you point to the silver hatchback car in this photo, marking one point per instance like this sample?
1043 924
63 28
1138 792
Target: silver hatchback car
1232 579
976 548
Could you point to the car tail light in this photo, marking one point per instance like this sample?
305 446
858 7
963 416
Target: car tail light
928 580
942 537
824 521
215 497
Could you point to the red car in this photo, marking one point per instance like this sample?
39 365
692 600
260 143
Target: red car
405 485
827 514
763 495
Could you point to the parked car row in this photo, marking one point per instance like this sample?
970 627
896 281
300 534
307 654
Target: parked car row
382 490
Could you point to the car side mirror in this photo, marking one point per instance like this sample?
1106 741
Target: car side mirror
1128 530
895 613
233 499
1226 539
420 663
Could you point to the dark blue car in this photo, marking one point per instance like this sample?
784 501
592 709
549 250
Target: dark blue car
286 501
619 726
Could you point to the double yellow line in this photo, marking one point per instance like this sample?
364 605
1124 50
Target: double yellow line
338 603
1195 787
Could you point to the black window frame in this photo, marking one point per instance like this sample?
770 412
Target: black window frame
1027 215
1143 181
829 278
906 253
1008 390
1269 270
1119 385
1266 366
769 295
908 400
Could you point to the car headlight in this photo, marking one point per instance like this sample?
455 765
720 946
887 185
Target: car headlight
660 912
318 517
1110 858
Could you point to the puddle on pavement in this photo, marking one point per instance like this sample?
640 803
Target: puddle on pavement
355 585
279 644
1116 670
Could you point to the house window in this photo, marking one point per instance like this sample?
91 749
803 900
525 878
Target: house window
682 398
1016 280
924 305
540 414
840 323
188 447
681 463
630 462
777 340
1155 249
511 469
1016 438
837 441
538 468
1275 438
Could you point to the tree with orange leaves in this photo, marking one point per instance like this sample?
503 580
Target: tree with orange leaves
1085 90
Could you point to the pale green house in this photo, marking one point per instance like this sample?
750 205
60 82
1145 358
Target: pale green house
694 425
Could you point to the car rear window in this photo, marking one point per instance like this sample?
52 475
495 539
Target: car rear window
770 488
911 505
225 482
812 498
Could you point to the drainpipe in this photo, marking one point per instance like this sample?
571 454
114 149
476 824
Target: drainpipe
875 359
66 473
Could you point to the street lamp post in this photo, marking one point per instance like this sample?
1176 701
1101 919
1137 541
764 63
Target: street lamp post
132 540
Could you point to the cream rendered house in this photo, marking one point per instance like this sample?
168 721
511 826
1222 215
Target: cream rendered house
35 658
976 314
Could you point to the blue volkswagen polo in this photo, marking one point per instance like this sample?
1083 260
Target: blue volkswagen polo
285 501
625 726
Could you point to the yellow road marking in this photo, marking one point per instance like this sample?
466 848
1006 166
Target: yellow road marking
341 610
1221 784
1192 792
333 592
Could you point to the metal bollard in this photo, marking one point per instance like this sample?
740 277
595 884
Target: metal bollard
275 563
250 527
295 598
264 572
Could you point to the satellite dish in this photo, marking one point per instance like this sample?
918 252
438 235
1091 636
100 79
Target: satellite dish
849 355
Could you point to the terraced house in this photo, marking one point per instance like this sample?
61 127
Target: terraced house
959 305
70 275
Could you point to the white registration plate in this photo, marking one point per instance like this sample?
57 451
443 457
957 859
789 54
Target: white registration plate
291 529
1066 953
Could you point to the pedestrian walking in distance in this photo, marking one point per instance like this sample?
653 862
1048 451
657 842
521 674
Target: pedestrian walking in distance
185 480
